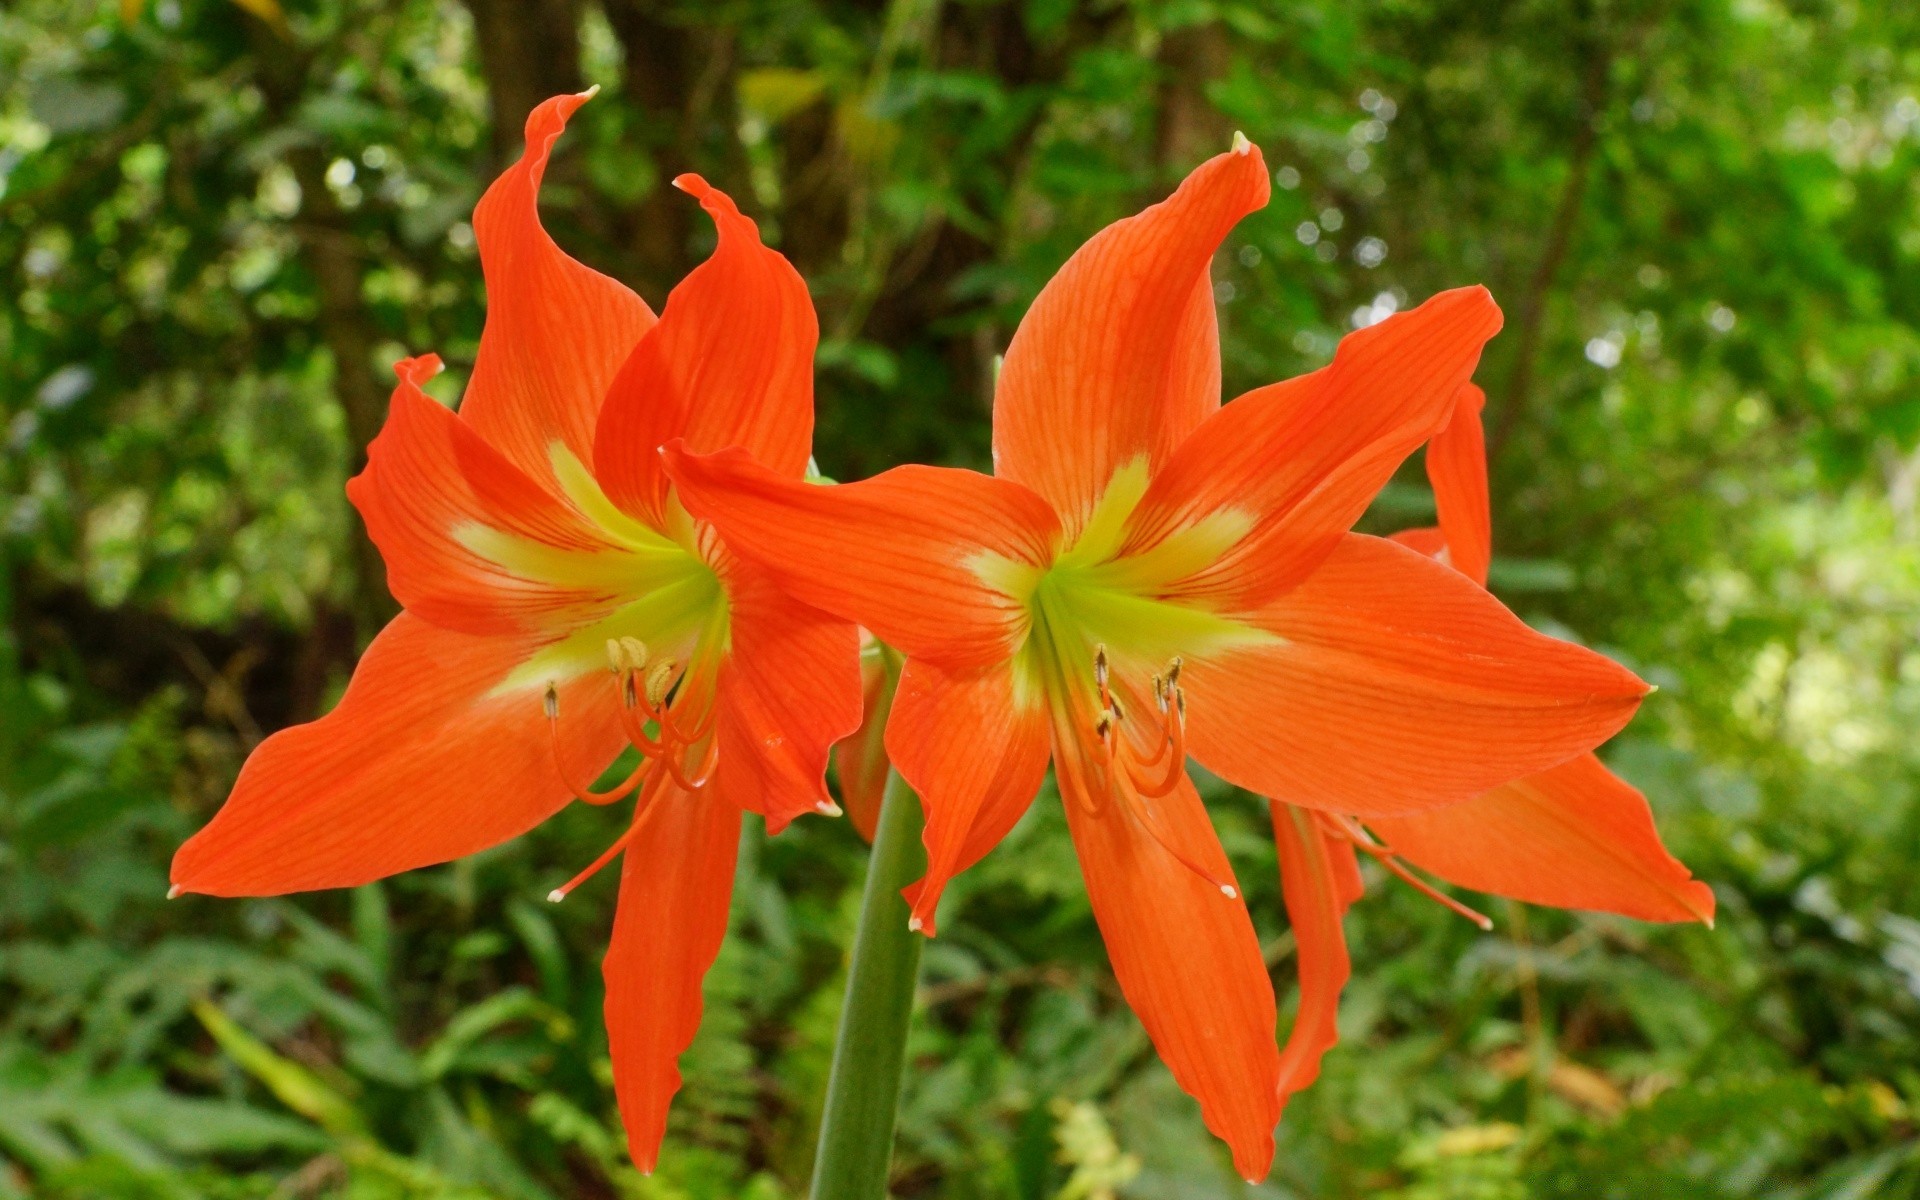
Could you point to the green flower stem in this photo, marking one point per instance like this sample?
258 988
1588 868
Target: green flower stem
869 1055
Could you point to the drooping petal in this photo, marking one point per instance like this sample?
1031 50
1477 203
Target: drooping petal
1319 881
925 557
860 759
556 330
788 688
442 505
1186 956
426 758
1457 468
1573 836
729 364
674 889
1119 357
1283 472
976 754
1394 684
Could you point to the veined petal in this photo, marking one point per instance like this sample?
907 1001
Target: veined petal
674 889
1396 685
1295 464
1319 880
1119 357
788 688
1573 836
860 759
556 330
976 756
729 364
1457 468
437 497
425 759
931 559
1186 956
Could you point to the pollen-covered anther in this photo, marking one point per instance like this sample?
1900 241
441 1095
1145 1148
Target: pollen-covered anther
659 682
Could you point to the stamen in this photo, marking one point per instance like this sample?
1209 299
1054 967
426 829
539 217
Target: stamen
1346 827
585 795
1151 823
552 703
659 683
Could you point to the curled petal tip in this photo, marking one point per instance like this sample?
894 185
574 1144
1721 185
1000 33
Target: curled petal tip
590 93
176 891
828 808
692 184
915 924
1241 145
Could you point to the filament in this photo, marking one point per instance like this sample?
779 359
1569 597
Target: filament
1350 830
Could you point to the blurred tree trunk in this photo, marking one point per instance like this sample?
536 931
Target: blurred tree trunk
529 50
1190 129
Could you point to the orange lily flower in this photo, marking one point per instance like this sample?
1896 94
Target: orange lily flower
860 758
1573 836
1150 574
561 605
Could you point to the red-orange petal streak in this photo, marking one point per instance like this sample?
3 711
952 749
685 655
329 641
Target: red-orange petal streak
556 330
1186 956
674 889
1319 881
1300 461
1574 836
898 553
976 759
729 364
1457 468
1119 355
421 762
1397 685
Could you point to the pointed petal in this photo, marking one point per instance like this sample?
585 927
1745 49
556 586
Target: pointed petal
1395 684
729 364
1287 469
423 760
674 889
922 556
1319 880
1574 836
860 759
1119 357
556 330
430 485
976 756
1186 956
1457 468
788 689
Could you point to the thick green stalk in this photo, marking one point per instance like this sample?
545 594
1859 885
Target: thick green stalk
869 1055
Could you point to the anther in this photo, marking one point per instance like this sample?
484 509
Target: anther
616 657
1100 665
636 652
1103 725
659 681
552 703
1173 671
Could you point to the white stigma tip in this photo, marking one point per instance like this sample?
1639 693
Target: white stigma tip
828 808
1485 923
556 896
1227 890
175 892
1241 145
915 925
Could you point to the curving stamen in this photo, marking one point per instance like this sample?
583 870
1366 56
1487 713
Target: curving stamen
1151 823
1351 830
586 795
620 843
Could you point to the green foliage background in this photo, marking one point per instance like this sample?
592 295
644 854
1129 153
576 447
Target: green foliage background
218 223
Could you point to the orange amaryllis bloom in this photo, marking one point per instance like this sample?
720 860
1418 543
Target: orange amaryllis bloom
860 758
1573 836
1149 574
561 606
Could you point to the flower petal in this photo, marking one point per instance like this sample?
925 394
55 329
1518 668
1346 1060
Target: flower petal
860 759
1119 357
1319 880
430 485
1457 468
788 689
425 759
1573 836
1186 956
729 364
1395 684
922 556
1289 468
976 757
674 889
556 330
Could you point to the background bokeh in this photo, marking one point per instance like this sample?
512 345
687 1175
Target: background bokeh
220 221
